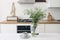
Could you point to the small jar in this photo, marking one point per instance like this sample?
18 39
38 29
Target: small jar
49 17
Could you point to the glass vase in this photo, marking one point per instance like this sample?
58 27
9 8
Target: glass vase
34 29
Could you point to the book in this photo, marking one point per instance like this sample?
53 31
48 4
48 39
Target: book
12 18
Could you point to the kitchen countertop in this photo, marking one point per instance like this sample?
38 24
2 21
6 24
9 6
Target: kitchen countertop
42 36
40 22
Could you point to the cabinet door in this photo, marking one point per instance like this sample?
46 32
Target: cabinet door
40 0
52 28
8 28
40 28
54 3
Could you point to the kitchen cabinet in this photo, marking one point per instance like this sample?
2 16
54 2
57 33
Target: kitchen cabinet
40 0
40 28
12 28
54 3
52 28
8 28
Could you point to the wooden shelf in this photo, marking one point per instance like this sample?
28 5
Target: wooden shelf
49 22
40 22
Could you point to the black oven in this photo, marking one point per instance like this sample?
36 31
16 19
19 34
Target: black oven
23 28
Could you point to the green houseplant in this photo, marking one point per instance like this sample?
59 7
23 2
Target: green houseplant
36 14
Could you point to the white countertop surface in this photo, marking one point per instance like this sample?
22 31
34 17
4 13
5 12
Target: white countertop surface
41 36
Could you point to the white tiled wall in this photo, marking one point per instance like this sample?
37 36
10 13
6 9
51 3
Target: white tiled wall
55 12
5 8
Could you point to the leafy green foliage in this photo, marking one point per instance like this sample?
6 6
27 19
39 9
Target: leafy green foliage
35 14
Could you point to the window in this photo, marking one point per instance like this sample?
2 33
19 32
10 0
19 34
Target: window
40 0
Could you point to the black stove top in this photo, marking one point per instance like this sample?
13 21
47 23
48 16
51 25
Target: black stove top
24 20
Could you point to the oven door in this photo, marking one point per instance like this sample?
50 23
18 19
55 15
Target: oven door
24 28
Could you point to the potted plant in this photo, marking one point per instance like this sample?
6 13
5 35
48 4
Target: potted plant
36 14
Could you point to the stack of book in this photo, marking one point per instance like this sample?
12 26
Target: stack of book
12 18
